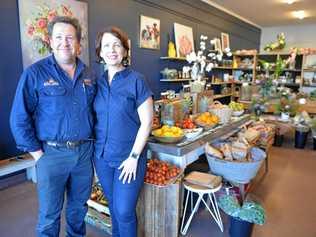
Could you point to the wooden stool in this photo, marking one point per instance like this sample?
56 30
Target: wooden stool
200 190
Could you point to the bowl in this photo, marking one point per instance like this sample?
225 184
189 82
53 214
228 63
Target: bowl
206 126
192 133
165 139
238 113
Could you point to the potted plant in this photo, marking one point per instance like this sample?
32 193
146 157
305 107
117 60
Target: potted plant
243 213
313 128
302 126
286 107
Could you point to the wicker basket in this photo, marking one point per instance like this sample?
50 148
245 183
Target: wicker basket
223 113
240 172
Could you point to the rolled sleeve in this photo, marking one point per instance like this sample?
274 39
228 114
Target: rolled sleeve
21 117
143 91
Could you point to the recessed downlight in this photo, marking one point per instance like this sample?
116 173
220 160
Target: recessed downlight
290 1
299 14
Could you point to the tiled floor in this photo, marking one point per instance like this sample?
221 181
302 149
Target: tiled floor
288 193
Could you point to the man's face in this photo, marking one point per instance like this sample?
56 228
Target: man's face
64 43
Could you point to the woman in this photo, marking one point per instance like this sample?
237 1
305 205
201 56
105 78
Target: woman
124 111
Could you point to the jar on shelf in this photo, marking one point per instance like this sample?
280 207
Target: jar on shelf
245 93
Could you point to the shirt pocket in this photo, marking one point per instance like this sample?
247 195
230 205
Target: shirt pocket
52 99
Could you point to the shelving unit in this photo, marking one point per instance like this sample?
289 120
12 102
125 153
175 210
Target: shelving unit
221 96
173 58
176 80
308 82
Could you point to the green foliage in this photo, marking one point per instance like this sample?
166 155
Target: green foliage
286 105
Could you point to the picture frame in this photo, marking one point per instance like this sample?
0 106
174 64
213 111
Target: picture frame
183 39
225 41
217 45
34 16
149 32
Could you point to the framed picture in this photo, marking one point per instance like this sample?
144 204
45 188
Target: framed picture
184 39
225 41
36 14
217 45
149 35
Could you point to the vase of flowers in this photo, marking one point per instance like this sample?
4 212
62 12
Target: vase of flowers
203 61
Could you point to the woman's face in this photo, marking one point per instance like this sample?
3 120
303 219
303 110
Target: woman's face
112 50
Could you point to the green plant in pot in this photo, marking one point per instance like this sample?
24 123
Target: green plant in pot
312 125
286 107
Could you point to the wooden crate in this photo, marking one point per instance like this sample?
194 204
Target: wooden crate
159 210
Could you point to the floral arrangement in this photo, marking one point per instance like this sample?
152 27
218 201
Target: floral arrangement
204 60
286 105
36 26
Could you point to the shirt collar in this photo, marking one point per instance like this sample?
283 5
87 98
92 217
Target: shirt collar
79 64
121 74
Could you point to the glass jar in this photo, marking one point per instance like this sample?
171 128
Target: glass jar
245 93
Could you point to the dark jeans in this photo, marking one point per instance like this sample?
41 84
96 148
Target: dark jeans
60 170
122 198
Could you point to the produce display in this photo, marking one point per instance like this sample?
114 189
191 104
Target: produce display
235 106
206 119
160 173
168 131
188 123
97 194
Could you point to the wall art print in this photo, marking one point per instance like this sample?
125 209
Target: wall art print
149 35
34 17
184 39
225 41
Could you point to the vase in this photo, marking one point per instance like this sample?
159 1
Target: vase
197 86
285 116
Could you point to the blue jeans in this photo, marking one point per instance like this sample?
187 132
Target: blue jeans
60 170
122 198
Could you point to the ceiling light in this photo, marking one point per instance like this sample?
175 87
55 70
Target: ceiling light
290 1
299 14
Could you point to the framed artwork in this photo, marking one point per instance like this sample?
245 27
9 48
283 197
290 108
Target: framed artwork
184 39
225 41
217 45
34 17
149 35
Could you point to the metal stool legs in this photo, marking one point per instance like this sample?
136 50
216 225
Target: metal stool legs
214 213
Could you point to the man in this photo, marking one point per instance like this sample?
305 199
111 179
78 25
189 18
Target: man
52 119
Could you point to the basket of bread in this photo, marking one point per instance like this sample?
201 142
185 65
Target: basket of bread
235 161
221 111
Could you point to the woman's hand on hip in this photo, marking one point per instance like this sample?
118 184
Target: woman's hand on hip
129 168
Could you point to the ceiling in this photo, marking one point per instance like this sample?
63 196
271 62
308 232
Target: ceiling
266 13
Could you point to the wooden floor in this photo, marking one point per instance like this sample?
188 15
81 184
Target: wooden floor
287 192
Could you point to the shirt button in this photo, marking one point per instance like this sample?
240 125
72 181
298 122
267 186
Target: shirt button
75 103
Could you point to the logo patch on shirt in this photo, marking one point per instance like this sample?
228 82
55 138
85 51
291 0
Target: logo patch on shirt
51 82
87 82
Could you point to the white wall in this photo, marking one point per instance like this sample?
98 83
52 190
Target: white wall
295 35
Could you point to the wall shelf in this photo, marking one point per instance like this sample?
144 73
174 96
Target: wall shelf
221 96
309 69
176 80
173 58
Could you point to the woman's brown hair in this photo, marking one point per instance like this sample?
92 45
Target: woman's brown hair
117 32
